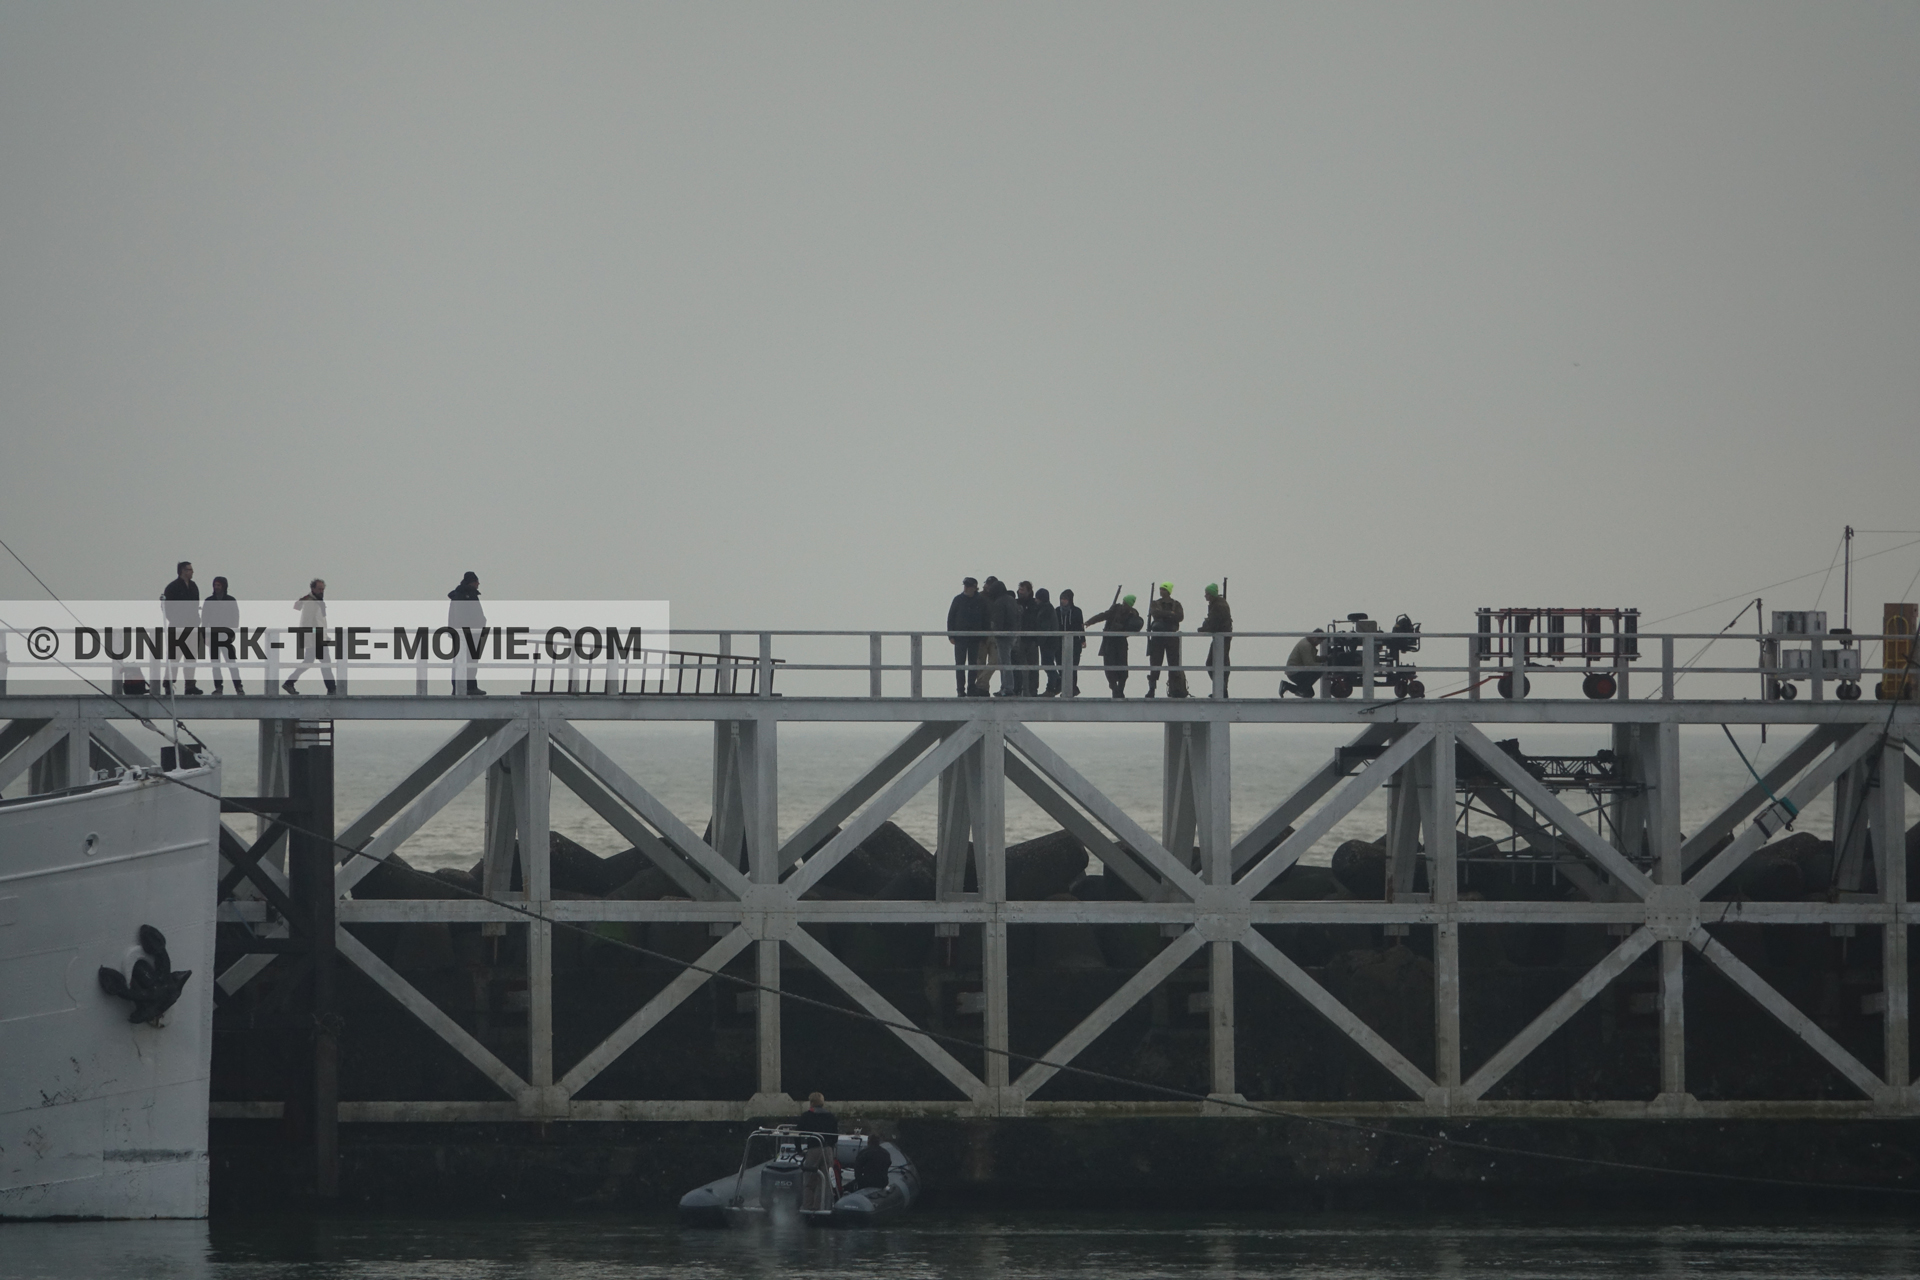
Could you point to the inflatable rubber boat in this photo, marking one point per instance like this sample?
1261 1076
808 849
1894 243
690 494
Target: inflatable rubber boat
788 1174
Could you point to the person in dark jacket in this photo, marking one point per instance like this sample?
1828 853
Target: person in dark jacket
1004 616
1072 623
222 610
1119 620
466 616
968 612
1044 621
871 1166
180 606
1219 621
1164 617
817 1119
1026 643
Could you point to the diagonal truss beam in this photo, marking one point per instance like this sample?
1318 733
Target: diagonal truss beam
1323 1002
622 819
1262 835
1508 810
641 801
1111 1010
1555 1015
22 757
428 1012
1080 827
429 802
864 789
244 859
876 1004
654 1011
1132 835
1787 1012
1816 780
464 739
1550 806
1798 757
903 789
1290 850
118 745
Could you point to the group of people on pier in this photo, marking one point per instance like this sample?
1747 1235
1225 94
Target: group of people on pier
1022 635
183 609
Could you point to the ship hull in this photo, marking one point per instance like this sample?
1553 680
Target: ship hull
101 1117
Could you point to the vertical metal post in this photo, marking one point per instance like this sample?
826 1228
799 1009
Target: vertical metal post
1210 761
1890 818
990 846
873 664
310 774
273 662
420 678
1473 668
1443 880
1517 642
916 659
760 795
1662 743
1816 670
1666 669
1366 666
765 688
534 779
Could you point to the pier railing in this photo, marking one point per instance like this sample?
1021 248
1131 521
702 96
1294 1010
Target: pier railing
1368 665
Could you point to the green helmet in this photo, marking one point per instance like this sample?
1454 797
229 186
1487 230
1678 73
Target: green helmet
1213 588
1167 587
1128 599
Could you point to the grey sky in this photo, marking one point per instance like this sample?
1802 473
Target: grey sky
795 314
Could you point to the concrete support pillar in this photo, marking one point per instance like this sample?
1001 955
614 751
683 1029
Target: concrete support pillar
274 742
1444 880
1178 819
534 792
1850 806
312 860
501 832
1890 824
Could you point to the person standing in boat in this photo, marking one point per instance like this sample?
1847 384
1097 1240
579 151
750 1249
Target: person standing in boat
222 610
817 1119
469 621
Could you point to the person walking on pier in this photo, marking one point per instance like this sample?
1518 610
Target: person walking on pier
180 606
1219 621
1073 631
968 612
1045 621
312 633
469 621
1164 616
222 610
1300 676
1119 620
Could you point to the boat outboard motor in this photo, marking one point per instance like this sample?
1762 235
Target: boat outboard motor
780 1181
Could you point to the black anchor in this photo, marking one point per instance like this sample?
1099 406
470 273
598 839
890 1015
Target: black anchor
154 985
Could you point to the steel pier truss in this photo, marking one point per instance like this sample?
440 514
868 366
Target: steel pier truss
1211 910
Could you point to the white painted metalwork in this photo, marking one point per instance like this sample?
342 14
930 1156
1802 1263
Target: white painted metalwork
1638 870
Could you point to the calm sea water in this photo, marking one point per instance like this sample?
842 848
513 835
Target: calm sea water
675 762
1129 1247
